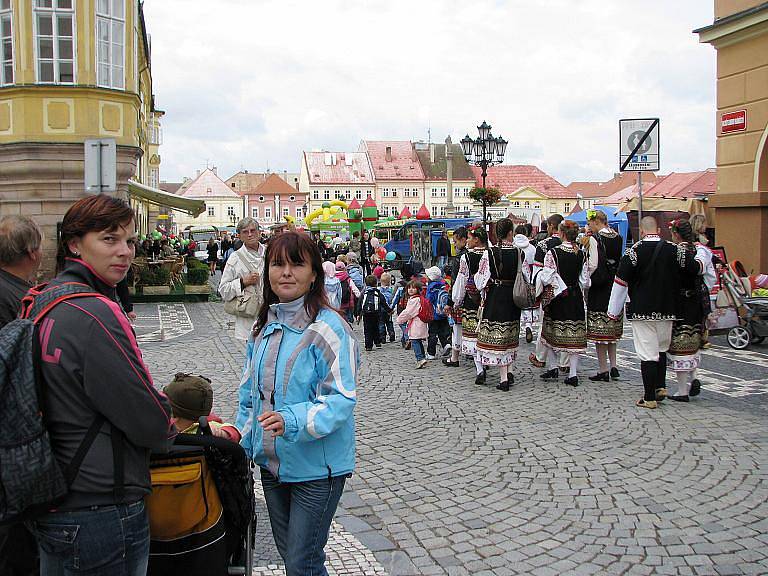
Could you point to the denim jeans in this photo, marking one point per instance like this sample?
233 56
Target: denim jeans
300 514
418 349
110 540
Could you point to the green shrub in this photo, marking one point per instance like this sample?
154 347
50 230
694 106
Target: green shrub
154 276
197 276
193 262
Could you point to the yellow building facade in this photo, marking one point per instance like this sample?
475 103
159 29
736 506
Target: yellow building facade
72 70
740 36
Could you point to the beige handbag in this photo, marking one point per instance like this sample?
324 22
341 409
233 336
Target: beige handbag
248 303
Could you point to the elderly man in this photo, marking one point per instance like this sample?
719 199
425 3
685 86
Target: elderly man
243 275
20 257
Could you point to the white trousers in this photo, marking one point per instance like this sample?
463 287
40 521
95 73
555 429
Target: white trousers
650 338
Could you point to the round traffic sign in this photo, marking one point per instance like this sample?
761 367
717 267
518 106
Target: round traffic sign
634 138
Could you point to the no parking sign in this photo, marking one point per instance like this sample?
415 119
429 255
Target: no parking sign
639 145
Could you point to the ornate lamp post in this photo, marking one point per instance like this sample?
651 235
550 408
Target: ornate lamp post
484 151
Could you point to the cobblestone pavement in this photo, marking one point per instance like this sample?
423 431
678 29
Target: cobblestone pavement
455 478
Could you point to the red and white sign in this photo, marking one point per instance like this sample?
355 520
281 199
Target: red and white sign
733 121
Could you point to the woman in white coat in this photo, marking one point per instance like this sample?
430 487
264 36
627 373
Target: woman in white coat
243 273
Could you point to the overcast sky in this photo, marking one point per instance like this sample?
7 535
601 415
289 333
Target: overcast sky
250 84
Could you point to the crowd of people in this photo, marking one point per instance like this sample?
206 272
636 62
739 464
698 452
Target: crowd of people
297 301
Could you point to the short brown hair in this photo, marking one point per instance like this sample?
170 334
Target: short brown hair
97 213
19 236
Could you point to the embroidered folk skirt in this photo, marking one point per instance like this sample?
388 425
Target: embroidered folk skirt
469 321
603 330
683 353
498 330
564 328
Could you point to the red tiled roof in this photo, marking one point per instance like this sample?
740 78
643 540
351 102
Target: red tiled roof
620 181
508 179
403 164
209 185
621 196
586 189
686 184
274 184
341 168
247 182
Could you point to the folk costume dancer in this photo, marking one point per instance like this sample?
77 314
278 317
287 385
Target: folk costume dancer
706 258
529 316
687 330
538 357
564 328
498 331
648 272
466 295
460 243
604 252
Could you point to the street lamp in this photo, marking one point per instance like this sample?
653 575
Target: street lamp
484 151
233 219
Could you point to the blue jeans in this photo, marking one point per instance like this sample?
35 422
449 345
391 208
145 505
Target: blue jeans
300 514
418 349
404 335
110 540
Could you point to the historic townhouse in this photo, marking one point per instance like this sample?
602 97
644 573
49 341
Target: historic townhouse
398 176
434 164
72 70
327 176
223 206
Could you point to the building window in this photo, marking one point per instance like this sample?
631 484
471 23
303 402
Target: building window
233 184
327 195
230 210
110 43
154 177
268 212
442 211
291 198
54 41
286 211
156 135
442 192
316 195
386 192
6 43
537 205
358 195
527 204
255 212
516 204
210 211
567 207
299 212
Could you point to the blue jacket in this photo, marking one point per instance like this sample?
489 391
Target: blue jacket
314 365
438 297
356 273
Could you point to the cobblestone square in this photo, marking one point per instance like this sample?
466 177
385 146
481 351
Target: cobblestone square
454 478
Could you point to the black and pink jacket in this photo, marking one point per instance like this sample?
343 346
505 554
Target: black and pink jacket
92 364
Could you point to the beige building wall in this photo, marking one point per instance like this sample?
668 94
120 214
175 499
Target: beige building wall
741 202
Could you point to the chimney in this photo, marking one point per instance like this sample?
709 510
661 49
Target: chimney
285 175
388 153
296 183
214 171
431 153
197 173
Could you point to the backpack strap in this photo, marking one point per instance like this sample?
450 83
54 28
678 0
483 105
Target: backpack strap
42 298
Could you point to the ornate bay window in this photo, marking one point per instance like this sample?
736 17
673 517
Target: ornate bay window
110 44
54 22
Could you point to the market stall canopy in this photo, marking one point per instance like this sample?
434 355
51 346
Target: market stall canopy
616 219
192 207
690 205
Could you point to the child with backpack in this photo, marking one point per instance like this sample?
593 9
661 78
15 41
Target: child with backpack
416 315
348 292
385 322
371 306
439 328
399 300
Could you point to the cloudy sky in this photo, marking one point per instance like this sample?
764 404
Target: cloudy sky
250 84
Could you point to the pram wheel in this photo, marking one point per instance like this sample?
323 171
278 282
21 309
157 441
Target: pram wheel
739 337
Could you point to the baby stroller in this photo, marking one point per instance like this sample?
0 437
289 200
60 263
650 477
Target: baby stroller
202 508
752 311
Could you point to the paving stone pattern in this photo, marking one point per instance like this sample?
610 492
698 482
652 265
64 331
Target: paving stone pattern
455 478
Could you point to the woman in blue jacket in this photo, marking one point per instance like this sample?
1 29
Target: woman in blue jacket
297 398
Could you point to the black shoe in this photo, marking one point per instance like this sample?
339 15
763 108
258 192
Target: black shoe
549 374
528 335
614 373
600 377
447 362
695 387
480 379
572 381
503 386
678 398
378 345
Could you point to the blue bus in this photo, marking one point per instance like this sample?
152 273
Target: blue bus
416 239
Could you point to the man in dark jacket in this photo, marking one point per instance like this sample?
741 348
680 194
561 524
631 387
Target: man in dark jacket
20 256
443 250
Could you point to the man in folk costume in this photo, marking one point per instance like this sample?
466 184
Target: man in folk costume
649 273
553 239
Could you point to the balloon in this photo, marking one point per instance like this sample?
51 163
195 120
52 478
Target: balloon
390 256
375 242
381 252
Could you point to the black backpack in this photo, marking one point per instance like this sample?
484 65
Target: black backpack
346 292
371 301
32 482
